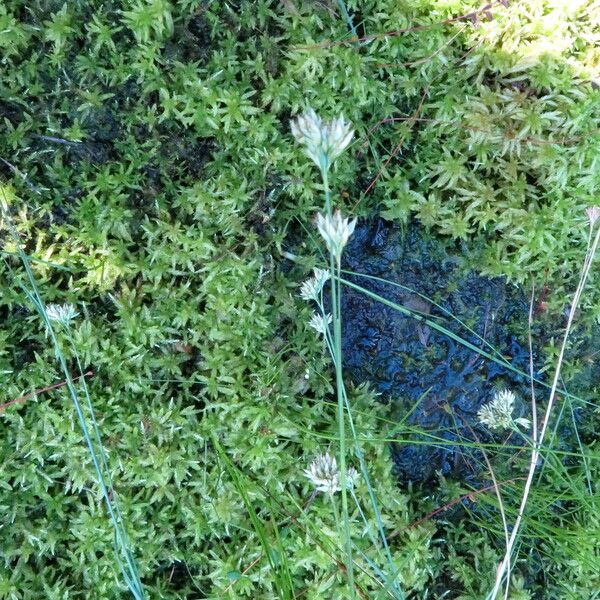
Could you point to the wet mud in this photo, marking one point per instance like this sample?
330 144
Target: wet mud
434 384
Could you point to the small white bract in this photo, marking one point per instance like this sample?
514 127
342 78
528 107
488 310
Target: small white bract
324 474
61 313
593 213
336 231
523 422
311 288
497 414
323 142
351 477
320 323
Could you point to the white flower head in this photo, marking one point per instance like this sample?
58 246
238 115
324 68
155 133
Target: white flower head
593 214
312 287
339 135
351 477
61 313
323 142
320 323
497 414
523 422
324 474
336 231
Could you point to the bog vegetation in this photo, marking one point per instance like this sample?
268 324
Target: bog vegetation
171 424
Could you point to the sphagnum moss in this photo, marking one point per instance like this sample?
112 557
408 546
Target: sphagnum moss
153 200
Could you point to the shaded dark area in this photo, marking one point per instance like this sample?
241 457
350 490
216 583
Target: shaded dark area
439 383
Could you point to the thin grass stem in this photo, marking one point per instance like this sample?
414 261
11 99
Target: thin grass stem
535 454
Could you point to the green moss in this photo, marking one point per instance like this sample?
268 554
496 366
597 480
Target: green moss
156 184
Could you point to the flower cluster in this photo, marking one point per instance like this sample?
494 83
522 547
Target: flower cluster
497 414
320 323
61 313
323 142
324 474
336 231
593 214
311 288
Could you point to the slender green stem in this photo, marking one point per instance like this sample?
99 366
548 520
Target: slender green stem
365 473
325 176
334 344
462 341
537 443
347 17
336 512
334 267
123 554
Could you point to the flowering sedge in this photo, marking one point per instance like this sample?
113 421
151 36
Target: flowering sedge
323 141
336 231
324 474
320 323
497 414
61 313
311 288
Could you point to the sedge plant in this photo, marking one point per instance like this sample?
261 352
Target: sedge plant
323 143
497 414
593 215
57 319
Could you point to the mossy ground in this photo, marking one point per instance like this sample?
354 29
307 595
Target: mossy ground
150 175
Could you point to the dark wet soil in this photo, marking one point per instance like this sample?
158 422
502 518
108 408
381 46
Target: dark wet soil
434 384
